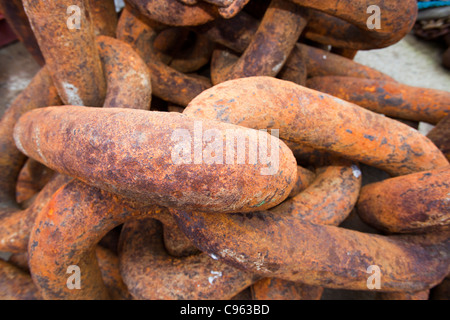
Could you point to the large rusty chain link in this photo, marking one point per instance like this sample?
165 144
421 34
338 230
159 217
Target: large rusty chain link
89 179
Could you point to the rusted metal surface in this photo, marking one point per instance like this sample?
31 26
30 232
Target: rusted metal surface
397 19
235 34
416 202
16 225
32 178
106 155
300 115
276 289
328 200
270 46
148 208
347 53
78 216
103 16
440 135
128 87
323 63
63 48
183 50
127 77
344 25
16 284
233 9
151 273
390 98
167 83
39 93
175 13
108 263
328 256
18 21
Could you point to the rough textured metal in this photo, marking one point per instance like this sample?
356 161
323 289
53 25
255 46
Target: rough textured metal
276 289
344 25
66 233
390 98
270 46
328 200
328 256
167 83
416 202
175 13
151 273
103 16
320 62
129 152
235 34
15 226
32 178
128 86
306 116
127 76
39 93
16 284
421 295
64 48
233 9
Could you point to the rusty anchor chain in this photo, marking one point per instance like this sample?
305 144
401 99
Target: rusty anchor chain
93 175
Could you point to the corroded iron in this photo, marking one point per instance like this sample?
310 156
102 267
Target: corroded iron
151 273
288 248
390 98
16 284
111 157
63 47
373 139
129 86
270 46
344 25
102 189
416 202
167 83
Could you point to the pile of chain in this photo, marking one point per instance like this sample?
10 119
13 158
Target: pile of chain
89 184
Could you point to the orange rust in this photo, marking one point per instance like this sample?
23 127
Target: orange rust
276 289
16 284
269 49
63 48
32 178
103 16
150 273
113 153
416 202
344 25
390 98
175 13
305 116
271 245
128 87
233 9
167 83
82 216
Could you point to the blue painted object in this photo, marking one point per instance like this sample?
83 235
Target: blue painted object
432 4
